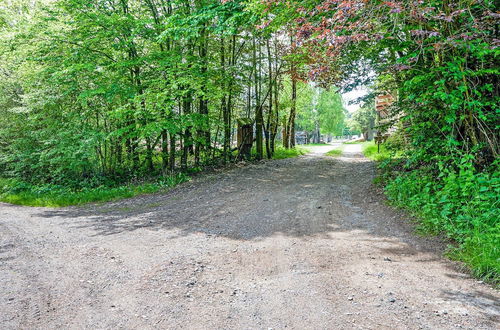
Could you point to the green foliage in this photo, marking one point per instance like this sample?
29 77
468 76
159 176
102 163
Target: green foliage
282 153
22 193
96 93
316 145
460 202
319 108
363 119
331 112
371 150
335 152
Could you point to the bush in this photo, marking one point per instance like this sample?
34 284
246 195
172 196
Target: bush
461 203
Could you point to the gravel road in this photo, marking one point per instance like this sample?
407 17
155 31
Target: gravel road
304 243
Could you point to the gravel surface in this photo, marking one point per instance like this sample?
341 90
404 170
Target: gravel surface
304 243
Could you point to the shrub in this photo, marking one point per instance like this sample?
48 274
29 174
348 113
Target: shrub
459 202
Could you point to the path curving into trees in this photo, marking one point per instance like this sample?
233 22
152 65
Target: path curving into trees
303 243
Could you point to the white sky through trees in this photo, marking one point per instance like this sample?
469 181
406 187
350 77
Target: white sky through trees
351 96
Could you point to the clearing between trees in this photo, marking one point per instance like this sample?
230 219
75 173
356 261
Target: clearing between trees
297 243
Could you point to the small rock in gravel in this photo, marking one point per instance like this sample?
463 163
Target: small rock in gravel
387 259
350 298
392 300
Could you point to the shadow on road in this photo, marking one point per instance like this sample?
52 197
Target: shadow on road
309 196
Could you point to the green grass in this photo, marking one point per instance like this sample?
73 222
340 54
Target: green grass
481 253
21 193
282 153
370 150
334 152
15 192
462 205
316 144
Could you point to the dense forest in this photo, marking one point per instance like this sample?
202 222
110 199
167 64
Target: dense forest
101 93
109 90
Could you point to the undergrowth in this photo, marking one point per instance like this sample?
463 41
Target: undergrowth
21 193
455 200
18 192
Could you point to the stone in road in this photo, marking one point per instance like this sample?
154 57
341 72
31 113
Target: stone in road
303 243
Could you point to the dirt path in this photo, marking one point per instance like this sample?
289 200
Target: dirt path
300 243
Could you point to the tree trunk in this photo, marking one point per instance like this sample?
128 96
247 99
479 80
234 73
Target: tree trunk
171 161
204 132
269 151
293 111
258 107
224 104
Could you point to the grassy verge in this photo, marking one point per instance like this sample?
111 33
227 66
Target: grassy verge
335 152
316 144
460 203
450 199
370 150
282 153
21 193
16 192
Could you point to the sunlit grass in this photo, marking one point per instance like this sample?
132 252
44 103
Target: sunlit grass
370 150
282 153
335 152
316 144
